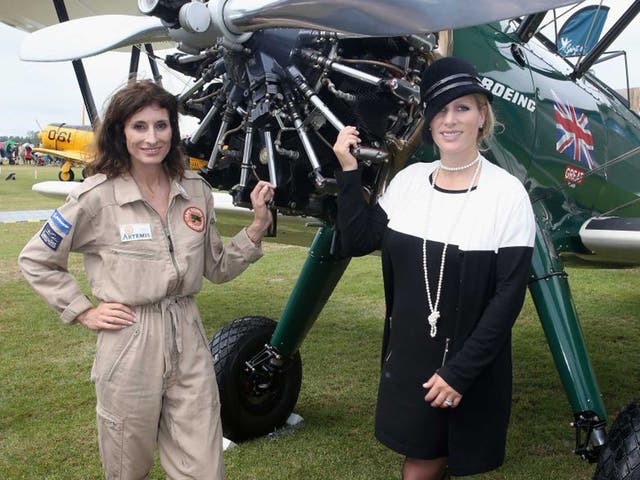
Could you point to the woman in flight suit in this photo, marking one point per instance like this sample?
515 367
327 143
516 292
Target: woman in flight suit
146 229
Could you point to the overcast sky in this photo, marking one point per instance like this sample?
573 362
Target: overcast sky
33 94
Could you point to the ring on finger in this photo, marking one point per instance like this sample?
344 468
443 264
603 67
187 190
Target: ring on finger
448 402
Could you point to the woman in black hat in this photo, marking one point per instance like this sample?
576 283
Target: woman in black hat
456 237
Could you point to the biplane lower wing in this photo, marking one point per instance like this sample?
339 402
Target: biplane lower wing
612 239
222 201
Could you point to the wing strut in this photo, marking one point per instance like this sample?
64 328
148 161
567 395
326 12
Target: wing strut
529 26
78 67
153 64
133 62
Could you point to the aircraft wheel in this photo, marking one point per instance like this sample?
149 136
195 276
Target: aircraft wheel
620 457
66 176
254 401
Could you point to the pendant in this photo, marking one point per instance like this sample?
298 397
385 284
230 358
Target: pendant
433 322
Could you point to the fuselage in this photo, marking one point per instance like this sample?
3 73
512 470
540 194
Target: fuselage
573 143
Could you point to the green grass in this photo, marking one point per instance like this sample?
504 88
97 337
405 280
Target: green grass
17 195
47 419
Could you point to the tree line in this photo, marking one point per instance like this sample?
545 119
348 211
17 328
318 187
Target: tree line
30 137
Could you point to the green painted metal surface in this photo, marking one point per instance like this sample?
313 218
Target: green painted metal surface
552 297
318 278
528 83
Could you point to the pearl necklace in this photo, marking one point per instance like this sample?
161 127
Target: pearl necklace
434 314
459 169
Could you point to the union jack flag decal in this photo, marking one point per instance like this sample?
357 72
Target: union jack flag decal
573 137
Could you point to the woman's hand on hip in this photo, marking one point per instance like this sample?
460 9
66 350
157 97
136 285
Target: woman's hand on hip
261 195
440 394
107 316
348 138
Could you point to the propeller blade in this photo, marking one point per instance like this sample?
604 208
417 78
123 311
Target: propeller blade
88 36
376 18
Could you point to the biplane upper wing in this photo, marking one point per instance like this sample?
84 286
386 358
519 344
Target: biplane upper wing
234 18
100 34
32 15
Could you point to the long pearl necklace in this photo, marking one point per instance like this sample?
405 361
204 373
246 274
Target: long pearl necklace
459 169
434 314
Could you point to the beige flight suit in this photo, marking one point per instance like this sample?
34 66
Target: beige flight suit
154 379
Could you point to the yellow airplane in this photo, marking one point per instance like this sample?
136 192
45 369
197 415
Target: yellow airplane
71 143
74 144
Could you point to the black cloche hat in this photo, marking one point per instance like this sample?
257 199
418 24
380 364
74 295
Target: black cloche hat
442 82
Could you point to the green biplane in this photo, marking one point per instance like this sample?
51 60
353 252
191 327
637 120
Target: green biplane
274 81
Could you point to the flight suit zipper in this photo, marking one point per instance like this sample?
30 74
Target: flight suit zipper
170 243
167 234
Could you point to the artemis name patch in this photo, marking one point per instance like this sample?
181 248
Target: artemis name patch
135 231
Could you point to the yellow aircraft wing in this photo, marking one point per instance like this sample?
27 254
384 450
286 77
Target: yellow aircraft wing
80 156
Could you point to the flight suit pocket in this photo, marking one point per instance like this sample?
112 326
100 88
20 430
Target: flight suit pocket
111 442
124 352
136 273
139 254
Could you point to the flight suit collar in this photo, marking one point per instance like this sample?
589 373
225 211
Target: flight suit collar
126 190
178 189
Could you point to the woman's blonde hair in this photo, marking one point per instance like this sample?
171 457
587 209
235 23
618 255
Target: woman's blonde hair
490 122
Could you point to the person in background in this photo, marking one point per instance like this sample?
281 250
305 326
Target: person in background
9 150
147 230
20 154
27 154
456 237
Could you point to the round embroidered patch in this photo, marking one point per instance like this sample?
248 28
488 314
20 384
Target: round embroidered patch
194 218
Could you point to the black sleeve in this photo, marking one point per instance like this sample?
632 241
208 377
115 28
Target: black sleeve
494 327
360 226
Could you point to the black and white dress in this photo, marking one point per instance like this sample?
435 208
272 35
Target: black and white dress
490 241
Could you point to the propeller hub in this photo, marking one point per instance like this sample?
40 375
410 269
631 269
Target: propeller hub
167 10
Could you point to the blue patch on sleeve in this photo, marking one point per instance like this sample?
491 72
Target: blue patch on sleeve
50 238
60 222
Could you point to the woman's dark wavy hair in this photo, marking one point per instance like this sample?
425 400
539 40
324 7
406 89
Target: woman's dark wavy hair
112 157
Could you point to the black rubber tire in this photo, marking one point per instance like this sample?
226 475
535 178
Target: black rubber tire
84 173
620 457
66 176
246 414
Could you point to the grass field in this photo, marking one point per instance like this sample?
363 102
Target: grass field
17 195
47 428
